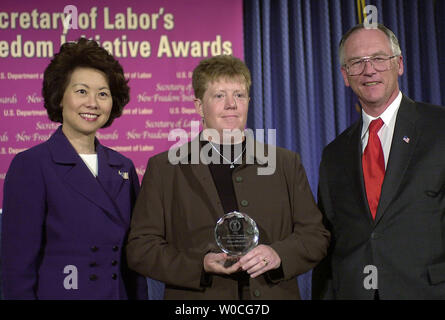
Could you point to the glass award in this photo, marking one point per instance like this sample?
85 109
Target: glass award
236 233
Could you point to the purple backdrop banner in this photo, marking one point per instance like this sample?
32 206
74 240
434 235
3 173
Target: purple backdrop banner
158 43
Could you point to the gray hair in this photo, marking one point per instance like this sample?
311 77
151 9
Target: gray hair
394 43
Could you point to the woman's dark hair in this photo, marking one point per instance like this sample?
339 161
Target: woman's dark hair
83 54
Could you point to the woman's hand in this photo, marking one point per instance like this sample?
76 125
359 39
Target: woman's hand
220 263
259 260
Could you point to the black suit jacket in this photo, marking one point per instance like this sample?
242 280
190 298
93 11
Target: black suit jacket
406 242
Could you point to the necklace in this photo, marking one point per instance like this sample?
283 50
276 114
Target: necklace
231 162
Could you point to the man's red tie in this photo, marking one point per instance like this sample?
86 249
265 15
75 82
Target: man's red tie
373 164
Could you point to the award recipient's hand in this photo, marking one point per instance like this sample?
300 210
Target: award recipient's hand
216 262
259 260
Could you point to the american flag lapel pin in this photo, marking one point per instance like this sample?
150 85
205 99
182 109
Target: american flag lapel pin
406 139
123 174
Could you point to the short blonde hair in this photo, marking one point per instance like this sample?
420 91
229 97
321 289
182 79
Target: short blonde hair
217 67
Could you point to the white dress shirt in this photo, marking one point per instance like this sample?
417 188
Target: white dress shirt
91 162
387 130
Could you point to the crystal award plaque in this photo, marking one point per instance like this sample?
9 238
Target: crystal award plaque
236 233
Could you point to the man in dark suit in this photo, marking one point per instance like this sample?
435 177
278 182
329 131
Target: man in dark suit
382 184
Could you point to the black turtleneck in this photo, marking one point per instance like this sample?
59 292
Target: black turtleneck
222 176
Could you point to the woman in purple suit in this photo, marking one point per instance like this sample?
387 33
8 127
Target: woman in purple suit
68 201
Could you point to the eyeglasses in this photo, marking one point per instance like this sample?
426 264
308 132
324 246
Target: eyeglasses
379 63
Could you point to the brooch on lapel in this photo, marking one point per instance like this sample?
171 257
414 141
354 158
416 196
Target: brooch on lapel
124 175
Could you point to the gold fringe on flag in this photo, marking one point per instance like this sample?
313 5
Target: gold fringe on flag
361 4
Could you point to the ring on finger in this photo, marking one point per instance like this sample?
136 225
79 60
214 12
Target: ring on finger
266 262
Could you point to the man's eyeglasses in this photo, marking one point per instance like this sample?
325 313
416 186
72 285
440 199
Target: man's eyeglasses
379 63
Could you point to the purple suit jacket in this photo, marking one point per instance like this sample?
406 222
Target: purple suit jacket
63 230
